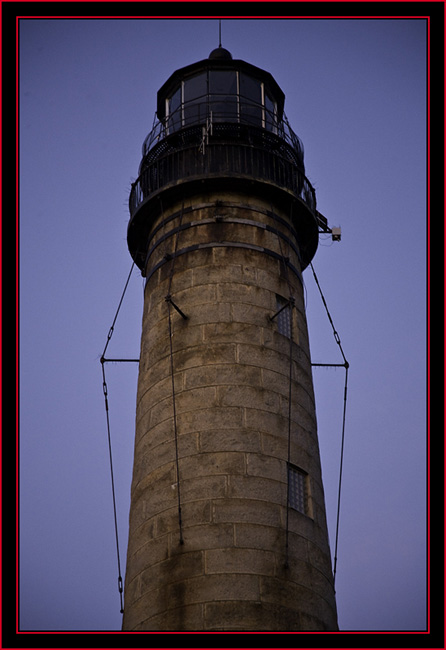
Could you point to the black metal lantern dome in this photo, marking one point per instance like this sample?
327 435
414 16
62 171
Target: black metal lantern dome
221 122
220 53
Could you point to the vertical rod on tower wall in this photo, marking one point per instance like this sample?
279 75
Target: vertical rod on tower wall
290 304
180 521
169 302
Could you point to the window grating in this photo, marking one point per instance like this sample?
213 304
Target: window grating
297 489
284 316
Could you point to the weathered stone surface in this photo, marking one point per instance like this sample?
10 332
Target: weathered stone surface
238 560
210 467
242 510
181 619
221 374
210 418
240 439
228 586
211 464
249 615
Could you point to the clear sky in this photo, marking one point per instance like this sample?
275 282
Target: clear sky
356 95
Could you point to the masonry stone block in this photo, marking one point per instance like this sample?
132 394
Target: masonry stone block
238 439
209 419
182 619
218 374
209 588
242 510
199 511
213 536
266 466
239 561
210 464
255 487
197 356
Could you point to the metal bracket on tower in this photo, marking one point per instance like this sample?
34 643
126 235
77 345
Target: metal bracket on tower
290 303
322 223
168 299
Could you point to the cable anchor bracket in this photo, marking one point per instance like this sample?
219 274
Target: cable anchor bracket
169 300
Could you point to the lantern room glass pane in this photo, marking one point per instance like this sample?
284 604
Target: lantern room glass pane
223 109
175 100
223 95
222 82
195 112
194 98
195 87
174 111
250 100
250 89
270 113
251 114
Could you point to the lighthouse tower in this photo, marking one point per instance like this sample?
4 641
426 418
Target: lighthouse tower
227 519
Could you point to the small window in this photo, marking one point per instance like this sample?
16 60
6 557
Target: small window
283 317
297 489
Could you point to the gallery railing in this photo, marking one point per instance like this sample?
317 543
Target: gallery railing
222 146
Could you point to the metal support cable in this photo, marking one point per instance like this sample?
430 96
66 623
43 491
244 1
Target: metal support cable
335 334
105 391
335 562
341 461
111 330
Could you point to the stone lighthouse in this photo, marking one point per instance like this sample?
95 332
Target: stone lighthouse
227 520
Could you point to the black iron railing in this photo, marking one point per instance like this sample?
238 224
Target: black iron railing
205 112
221 149
221 159
222 144
206 138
